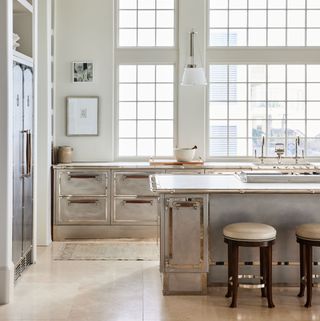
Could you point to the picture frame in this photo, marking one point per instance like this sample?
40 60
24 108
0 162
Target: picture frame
82 71
82 116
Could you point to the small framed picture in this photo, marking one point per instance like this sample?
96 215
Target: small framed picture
82 116
82 71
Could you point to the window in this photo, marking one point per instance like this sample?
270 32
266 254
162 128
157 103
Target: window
264 23
277 101
146 110
146 23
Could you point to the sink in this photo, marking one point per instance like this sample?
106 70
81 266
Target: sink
284 162
278 177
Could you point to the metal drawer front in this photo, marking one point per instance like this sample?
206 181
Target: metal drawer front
82 210
83 183
139 211
185 171
134 183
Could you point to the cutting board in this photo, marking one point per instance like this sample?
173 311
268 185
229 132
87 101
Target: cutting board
162 162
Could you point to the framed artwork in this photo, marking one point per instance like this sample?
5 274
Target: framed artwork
82 116
82 71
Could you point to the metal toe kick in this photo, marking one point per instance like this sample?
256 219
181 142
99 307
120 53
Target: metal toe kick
249 285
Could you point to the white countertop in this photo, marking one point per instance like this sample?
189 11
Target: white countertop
223 183
206 165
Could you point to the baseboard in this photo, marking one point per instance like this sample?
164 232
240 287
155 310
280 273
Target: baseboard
6 284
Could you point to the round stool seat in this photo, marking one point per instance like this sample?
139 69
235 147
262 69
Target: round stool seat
309 231
249 232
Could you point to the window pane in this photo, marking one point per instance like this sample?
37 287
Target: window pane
218 37
237 128
165 37
313 18
165 19
219 18
218 73
237 37
313 110
146 4
257 91
127 19
127 73
146 73
257 18
164 147
313 128
238 4
146 128
295 73
218 92
296 18
218 128
276 110
237 91
146 92
127 147
313 147
165 4
277 18
296 110
218 110
164 128
146 147
127 92
277 37
218 147
276 73
257 4
237 147
257 37
127 37
237 110
296 4
127 128
276 92
218 4
237 73
313 91
127 4
164 110
237 18
127 111
313 38
257 110
313 4
296 92
296 128
165 73
313 73
257 73
164 92
146 110
146 37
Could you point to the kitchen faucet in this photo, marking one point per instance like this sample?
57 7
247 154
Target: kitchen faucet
262 148
297 144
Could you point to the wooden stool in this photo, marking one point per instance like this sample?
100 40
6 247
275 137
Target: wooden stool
249 235
308 235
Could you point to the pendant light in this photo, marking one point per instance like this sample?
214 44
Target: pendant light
193 75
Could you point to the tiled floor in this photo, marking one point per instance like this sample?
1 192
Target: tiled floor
124 290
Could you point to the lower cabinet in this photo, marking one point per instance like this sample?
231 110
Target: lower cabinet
184 237
82 210
138 211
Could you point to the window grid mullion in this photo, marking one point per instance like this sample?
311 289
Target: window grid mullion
137 99
286 110
306 112
267 111
228 111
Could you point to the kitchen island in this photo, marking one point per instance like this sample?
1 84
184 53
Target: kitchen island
194 210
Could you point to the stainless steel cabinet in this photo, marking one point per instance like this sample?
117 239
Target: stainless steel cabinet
133 201
184 246
22 168
82 197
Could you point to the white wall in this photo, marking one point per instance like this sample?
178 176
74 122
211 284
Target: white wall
84 31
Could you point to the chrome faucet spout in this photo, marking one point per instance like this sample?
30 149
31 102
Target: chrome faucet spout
297 144
262 149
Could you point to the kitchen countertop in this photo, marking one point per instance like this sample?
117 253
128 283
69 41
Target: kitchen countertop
224 184
206 165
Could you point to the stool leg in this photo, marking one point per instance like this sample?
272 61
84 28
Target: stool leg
302 270
263 271
230 263
308 249
269 276
235 272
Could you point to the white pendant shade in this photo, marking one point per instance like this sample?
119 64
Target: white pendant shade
193 77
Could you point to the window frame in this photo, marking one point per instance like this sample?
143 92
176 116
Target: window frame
251 55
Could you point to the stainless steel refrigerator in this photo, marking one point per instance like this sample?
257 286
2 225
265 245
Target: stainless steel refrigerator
22 168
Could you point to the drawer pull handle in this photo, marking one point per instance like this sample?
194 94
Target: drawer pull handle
70 202
73 176
178 205
136 177
137 202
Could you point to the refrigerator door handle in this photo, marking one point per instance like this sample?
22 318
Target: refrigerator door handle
27 153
